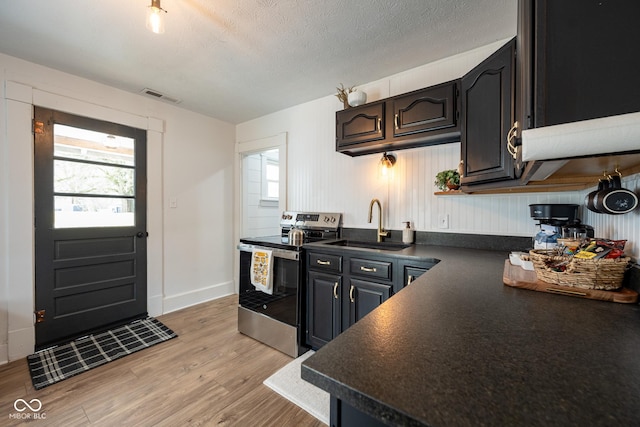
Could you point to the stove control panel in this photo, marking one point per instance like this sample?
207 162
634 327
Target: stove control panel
311 220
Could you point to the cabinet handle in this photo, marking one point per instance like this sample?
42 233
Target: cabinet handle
335 290
410 279
319 261
395 122
379 124
351 294
511 136
368 269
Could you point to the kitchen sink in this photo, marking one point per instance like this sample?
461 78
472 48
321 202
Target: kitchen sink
387 246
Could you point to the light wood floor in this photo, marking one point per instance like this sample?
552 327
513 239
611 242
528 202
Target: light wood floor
210 375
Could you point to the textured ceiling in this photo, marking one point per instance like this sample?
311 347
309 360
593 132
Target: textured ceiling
240 59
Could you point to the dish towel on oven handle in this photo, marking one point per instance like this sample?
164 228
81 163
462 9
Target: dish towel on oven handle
262 270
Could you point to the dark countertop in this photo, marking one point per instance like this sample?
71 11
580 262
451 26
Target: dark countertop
458 348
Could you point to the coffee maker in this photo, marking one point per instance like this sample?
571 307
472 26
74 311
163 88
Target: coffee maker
557 220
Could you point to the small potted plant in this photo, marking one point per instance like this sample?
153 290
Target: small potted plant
343 94
447 180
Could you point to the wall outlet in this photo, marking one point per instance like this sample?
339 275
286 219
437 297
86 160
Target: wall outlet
443 221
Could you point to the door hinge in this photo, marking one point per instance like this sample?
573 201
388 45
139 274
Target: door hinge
39 316
37 127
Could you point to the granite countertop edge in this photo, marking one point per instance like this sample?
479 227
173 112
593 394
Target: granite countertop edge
475 278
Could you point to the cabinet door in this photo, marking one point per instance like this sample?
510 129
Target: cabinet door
344 415
323 308
412 273
363 297
488 114
425 110
359 125
585 59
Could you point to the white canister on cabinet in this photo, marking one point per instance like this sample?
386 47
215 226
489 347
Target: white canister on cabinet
407 233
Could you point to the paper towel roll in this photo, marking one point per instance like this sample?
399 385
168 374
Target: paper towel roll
606 135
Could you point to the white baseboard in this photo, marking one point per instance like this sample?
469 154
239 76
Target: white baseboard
21 343
154 305
187 299
4 354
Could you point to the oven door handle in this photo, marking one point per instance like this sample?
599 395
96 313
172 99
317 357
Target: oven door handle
276 252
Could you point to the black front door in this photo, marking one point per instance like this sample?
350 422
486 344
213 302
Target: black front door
90 225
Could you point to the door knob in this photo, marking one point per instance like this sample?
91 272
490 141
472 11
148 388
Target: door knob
140 234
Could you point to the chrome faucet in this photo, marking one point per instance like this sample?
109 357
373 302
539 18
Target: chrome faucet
381 233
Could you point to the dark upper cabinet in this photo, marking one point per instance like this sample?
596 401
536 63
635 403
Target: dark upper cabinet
579 60
488 104
575 60
424 117
425 110
360 125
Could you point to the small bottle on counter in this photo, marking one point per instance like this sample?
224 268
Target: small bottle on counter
407 233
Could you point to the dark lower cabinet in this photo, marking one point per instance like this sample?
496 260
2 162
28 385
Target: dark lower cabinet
411 273
324 320
342 288
364 297
344 415
337 301
488 104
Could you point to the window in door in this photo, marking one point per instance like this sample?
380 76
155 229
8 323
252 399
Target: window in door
94 178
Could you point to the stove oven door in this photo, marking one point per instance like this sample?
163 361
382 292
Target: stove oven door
283 304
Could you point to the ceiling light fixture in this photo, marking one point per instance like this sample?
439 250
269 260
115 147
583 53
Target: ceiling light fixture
386 163
155 17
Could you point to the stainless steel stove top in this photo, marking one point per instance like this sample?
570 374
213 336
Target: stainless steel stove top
315 225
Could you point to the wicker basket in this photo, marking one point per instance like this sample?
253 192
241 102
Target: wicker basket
604 274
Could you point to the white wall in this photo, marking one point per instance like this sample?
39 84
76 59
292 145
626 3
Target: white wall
321 179
190 159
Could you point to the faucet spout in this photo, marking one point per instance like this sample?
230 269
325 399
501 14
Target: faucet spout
381 232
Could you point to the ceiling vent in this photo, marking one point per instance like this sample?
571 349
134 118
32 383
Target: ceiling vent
158 95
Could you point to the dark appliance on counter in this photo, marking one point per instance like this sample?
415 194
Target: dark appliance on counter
277 319
558 220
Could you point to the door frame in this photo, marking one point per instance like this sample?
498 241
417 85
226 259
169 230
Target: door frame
243 148
19 262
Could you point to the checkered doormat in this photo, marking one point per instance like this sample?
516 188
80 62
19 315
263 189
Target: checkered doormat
55 364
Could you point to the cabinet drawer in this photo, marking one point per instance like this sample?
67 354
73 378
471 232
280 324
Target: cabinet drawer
369 268
325 262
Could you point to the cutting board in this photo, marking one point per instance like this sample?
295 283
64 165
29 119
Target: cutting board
517 277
